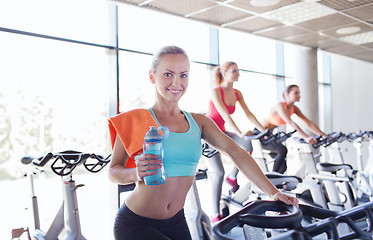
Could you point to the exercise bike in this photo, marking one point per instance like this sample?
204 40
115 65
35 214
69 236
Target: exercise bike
66 224
276 220
364 177
309 190
336 183
236 200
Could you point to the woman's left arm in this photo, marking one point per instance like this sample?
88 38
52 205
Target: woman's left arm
243 160
309 124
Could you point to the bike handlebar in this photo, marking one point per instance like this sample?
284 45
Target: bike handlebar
323 141
320 141
65 162
327 221
258 135
208 151
365 135
253 215
329 224
282 136
277 137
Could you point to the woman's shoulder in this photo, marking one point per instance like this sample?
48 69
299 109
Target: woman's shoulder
237 91
280 105
216 89
200 117
197 115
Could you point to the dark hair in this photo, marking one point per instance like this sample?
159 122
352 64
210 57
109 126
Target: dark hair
165 51
289 88
219 70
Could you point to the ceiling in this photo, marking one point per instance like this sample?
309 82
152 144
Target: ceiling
343 27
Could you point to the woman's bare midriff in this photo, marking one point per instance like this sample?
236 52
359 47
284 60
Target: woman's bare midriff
160 201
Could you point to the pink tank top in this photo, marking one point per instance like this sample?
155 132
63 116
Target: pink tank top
215 115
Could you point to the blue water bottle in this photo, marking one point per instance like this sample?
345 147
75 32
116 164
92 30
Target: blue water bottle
153 144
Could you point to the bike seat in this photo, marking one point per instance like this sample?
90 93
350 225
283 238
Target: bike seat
331 167
283 181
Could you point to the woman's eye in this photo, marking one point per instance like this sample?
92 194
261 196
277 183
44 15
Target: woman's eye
168 74
184 75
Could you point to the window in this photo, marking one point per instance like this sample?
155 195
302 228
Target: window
69 19
259 92
55 96
256 57
135 89
248 51
147 31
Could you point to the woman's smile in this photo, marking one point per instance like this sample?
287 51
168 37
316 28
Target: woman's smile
174 91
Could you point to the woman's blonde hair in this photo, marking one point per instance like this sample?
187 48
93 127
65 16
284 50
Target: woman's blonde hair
218 72
165 51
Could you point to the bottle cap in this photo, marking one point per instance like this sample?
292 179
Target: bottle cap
153 134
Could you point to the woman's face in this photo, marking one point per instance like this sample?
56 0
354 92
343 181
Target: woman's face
171 76
294 94
232 74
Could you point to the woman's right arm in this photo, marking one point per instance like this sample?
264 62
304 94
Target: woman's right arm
119 173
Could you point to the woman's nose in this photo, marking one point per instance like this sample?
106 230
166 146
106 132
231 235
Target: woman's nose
175 81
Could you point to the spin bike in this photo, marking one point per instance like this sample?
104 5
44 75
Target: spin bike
238 199
309 190
263 219
364 177
336 184
339 169
66 224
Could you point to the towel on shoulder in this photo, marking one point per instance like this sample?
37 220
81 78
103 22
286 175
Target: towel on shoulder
131 127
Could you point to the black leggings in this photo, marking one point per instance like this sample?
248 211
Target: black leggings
129 225
278 152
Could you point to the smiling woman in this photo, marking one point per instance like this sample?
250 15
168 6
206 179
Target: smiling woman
156 211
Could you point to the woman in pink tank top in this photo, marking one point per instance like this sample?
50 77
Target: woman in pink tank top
221 106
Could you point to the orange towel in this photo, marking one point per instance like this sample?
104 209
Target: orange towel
131 127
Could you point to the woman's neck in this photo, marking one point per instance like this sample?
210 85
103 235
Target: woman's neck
227 85
289 103
166 108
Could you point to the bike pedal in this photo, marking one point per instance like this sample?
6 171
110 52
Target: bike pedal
18 232
234 189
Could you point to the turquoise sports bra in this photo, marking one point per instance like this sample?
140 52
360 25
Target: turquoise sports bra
182 151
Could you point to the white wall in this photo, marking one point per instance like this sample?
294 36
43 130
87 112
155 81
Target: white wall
352 98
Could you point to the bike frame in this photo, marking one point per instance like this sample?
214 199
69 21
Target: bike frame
334 183
66 219
195 216
364 178
345 187
66 223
